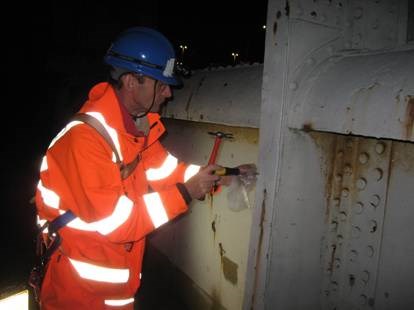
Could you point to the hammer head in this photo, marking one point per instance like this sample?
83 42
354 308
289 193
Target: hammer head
221 135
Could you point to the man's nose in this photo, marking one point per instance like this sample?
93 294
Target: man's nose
167 92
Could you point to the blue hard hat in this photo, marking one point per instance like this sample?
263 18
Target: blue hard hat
144 51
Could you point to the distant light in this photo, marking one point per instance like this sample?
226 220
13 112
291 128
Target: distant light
235 55
17 301
264 27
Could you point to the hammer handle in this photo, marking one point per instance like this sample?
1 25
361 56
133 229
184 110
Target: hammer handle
214 152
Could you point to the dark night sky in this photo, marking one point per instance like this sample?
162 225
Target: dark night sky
52 54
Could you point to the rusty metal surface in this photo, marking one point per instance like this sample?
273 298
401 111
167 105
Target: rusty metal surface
210 243
340 67
355 224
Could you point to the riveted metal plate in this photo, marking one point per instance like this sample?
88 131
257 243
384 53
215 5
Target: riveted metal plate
355 222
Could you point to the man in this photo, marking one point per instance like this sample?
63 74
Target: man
115 177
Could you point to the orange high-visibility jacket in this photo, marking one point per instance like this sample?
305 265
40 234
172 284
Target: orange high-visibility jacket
102 248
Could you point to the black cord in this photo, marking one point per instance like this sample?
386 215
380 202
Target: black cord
135 117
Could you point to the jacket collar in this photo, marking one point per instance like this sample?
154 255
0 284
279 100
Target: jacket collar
102 99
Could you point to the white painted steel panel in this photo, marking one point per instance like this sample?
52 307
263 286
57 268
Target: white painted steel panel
369 95
228 96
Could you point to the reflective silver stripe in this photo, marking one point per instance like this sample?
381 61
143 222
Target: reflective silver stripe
100 274
155 209
43 166
40 223
50 198
167 167
112 133
63 131
107 225
191 171
118 302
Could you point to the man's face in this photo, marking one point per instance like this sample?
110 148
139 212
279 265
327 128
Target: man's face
149 90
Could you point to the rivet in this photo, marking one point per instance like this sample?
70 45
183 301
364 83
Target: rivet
380 148
363 158
342 216
357 38
334 285
356 232
334 225
375 25
336 201
348 169
361 183
365 276
375 200
337 263
337 20
340 153
373 226
353 255
349 143
293 86
359 207
345 192
378 173
358 12
362 300
338 177
369 251
310 61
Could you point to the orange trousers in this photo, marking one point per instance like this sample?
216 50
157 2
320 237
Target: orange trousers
62 290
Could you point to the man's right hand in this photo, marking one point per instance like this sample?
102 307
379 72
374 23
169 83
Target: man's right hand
202 183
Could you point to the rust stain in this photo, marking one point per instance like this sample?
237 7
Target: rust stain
259 246
213 228
210 199
307 127
221 250
409 118
187 105
229 269
287 8
332 259
328 143
278 14
274 28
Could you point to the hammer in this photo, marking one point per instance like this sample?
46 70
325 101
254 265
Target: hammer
219 136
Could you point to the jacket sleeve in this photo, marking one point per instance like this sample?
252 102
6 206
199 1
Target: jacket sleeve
81 176
163 169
